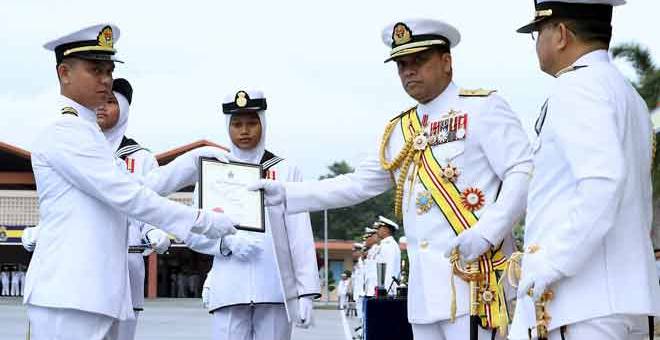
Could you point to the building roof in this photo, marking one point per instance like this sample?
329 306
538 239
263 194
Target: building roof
16 167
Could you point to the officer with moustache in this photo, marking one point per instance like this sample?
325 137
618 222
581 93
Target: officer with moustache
460 162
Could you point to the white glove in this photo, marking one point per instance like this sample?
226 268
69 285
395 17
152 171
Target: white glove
213 224
539 280
158 239
470 245
29 238
305 307
206 295
274 192
207 151
243 248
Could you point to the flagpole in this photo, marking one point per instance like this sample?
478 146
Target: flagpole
325 255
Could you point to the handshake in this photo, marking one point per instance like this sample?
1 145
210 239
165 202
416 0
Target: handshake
213 224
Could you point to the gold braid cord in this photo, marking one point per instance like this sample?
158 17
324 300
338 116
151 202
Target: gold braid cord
402 160
472 276
513 273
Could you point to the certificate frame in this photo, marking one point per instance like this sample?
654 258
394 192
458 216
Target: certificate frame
249 171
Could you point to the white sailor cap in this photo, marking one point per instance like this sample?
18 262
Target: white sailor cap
598 12
416 35
92 43
244 101
369 230
388 223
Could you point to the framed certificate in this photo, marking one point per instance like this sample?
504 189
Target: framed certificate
223 185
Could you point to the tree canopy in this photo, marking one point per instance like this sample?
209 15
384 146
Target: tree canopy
349 223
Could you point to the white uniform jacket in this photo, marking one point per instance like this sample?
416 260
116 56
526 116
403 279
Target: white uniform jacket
85 196
590 198
357 280
140 162
494 147
285 270
390 254
371 271
342 287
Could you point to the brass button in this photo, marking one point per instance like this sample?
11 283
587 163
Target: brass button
424 244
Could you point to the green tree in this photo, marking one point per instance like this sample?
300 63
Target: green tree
349 223
648 74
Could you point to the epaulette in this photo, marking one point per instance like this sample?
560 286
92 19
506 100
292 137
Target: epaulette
476 93
403 113
68 110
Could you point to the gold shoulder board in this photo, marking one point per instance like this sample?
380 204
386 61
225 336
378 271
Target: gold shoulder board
69 111
476 93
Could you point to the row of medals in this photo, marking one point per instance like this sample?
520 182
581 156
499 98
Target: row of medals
472 198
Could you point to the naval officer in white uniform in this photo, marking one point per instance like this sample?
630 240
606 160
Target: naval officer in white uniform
389 253
589 207
460 161
77 285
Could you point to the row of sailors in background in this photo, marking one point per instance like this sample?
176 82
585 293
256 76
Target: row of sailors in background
378 246
12 281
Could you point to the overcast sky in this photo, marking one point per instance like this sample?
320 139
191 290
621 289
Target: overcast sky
320 65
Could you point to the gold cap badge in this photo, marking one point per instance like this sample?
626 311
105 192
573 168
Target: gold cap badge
105 37
241 99
401 34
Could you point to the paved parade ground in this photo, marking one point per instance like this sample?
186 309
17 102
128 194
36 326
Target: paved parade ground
170 319
185 319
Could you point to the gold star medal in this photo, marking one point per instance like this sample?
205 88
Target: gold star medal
420 142
450 172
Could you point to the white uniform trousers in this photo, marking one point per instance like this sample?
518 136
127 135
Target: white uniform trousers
614 327
15 288
257 322
5 287
359 305
343 298
23 284
447 330
126 328
69 324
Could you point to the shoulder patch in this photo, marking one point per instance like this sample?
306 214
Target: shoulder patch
475 93
68 110
403 113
